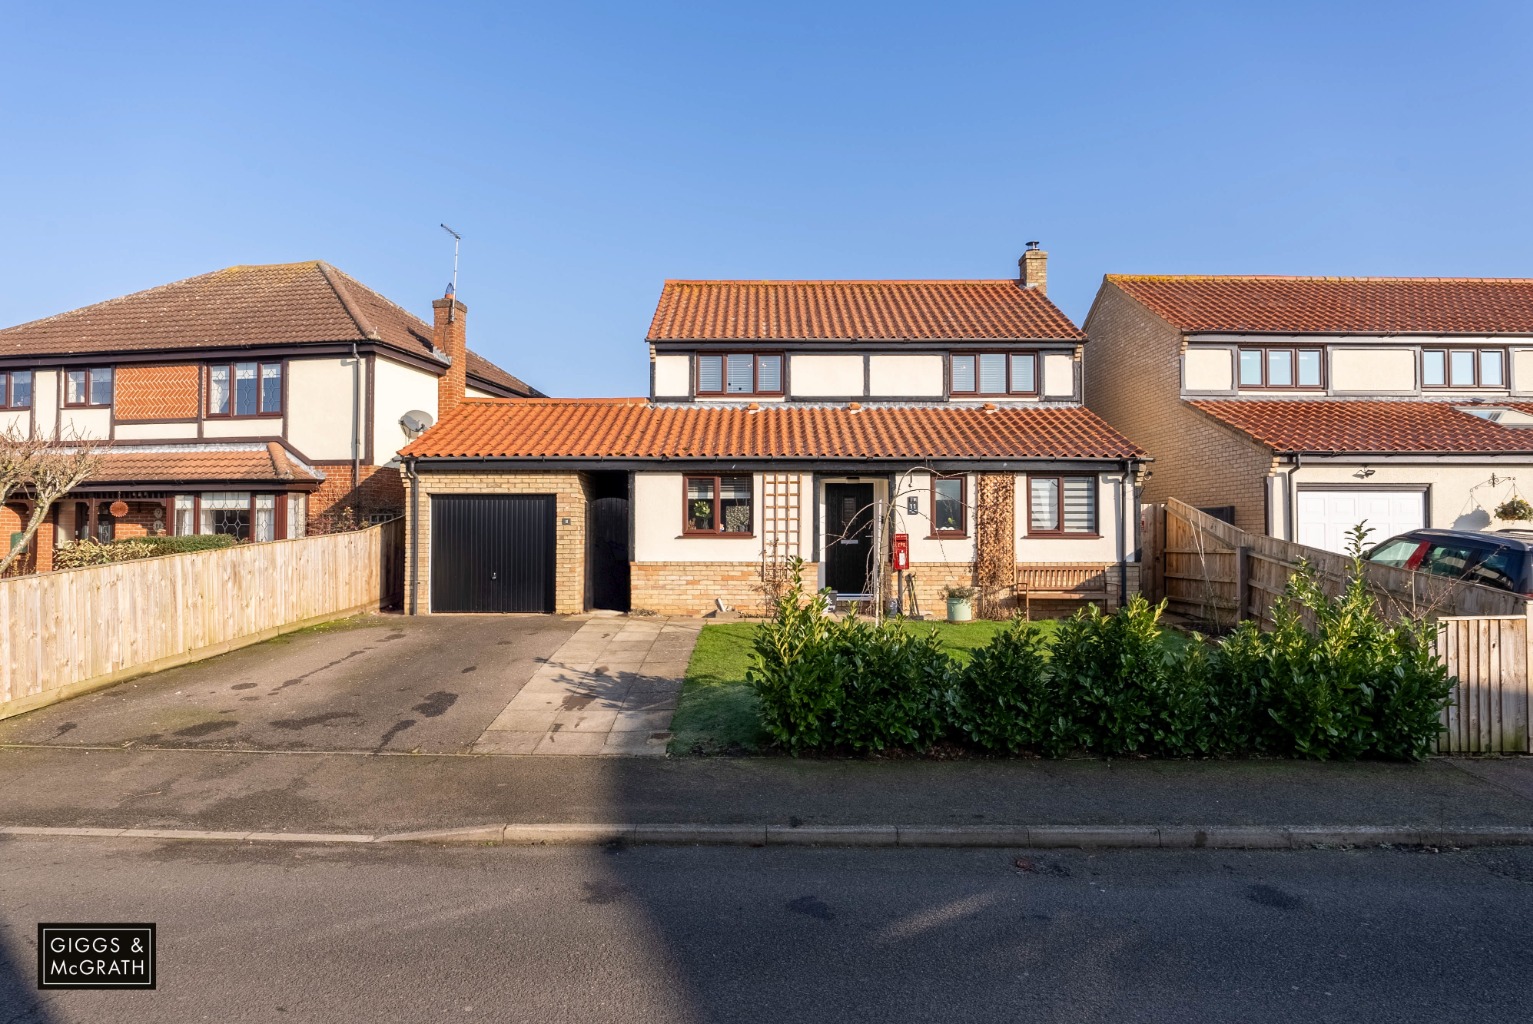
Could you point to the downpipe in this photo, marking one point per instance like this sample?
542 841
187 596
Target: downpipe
415 531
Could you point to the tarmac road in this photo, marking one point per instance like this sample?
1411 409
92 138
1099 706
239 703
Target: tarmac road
311 933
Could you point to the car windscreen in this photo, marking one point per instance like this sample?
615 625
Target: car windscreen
1402 553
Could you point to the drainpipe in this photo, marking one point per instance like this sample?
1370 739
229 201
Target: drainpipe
1122 529
356 413
415 530
1293 497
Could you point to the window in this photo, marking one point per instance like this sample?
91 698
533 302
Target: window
16 389
226 512
186 515
88 387
1463 368
265 509
948 506
1281 368
719 505
994 373
739 373
1062 505
245 389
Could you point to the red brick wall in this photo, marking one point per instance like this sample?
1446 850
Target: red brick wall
382 490
1134 382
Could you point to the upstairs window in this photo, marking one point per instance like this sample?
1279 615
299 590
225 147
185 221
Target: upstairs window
739 373
88 387
719 506
1282 368
994 373
1063 505
15 389
245 389
1463 368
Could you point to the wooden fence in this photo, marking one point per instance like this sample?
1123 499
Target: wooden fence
1214 574
72 631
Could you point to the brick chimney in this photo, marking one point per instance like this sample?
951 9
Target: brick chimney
448 335
1034 266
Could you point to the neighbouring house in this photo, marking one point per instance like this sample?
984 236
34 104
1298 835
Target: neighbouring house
248 401
782 418
1300 407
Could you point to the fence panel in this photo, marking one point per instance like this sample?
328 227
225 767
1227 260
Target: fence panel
71 631
1491 709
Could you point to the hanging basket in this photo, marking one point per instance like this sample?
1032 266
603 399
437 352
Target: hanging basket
1514 509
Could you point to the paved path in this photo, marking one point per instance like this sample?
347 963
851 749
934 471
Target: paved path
610 690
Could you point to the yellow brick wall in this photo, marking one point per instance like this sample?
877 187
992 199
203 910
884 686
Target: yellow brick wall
689 588
1133 381
570 492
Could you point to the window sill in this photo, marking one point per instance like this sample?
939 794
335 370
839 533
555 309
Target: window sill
1061 535
948 536
707 534
249 416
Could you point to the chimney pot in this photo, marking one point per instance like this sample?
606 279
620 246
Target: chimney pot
1034 267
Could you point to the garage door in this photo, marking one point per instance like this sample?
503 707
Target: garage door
492 553
1326 516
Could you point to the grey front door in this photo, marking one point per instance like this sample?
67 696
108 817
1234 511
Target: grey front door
848 537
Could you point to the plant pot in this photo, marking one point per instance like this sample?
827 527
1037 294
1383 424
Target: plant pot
960 609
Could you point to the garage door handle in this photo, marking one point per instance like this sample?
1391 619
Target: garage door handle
492 575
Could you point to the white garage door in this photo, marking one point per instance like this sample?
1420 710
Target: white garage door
1326 516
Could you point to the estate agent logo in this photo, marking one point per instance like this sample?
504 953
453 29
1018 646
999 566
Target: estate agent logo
95 956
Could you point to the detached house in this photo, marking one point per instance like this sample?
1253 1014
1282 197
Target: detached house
782 418
1301 406
245 401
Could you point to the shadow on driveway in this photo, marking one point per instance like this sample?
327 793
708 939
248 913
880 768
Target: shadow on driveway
377 682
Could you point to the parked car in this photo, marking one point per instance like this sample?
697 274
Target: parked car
1503 560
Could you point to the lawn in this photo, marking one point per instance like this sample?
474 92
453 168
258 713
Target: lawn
717 710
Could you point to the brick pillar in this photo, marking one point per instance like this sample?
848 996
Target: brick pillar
43 543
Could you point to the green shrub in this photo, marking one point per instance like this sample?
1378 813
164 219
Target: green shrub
89 552
1111 671
191 542
1004 700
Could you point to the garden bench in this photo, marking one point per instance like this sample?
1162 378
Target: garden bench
1060 583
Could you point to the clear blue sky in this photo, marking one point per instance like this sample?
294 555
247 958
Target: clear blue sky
588 152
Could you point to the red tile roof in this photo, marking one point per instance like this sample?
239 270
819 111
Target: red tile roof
632 428
855 311
252 463
1336 305
482 370
1366 427
278 304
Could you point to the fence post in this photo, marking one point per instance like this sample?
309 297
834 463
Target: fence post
1242 582
1527 676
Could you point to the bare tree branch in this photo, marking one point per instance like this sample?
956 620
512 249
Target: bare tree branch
43 471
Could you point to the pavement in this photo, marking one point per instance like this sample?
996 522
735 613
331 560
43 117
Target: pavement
610 690
681 935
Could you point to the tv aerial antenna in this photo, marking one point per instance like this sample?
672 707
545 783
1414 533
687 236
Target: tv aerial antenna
452 311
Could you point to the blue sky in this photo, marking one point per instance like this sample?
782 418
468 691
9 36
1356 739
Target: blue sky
587 152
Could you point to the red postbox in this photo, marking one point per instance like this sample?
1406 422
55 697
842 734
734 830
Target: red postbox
899 554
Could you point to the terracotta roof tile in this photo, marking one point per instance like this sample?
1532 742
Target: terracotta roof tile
203 463
1336 305
481 368
856 310
1366 427
280 304
636 429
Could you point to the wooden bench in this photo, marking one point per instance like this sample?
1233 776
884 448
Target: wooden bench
1061 583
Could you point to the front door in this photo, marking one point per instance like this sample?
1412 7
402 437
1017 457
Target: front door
607 547
848 537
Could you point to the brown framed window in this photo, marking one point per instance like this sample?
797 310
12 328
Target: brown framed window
15 389
948 507
88 387
719 506
1463 368
245 389
1282 368
739 373
993 373
1062 506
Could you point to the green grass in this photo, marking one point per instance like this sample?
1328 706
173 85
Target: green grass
716 712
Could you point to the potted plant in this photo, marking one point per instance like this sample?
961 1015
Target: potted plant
960 603
1515 509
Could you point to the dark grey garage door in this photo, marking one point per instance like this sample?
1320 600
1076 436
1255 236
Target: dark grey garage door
492 553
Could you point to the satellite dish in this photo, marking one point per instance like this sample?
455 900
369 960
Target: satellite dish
414 422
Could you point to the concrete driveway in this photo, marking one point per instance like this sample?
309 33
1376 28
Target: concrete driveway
432 684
